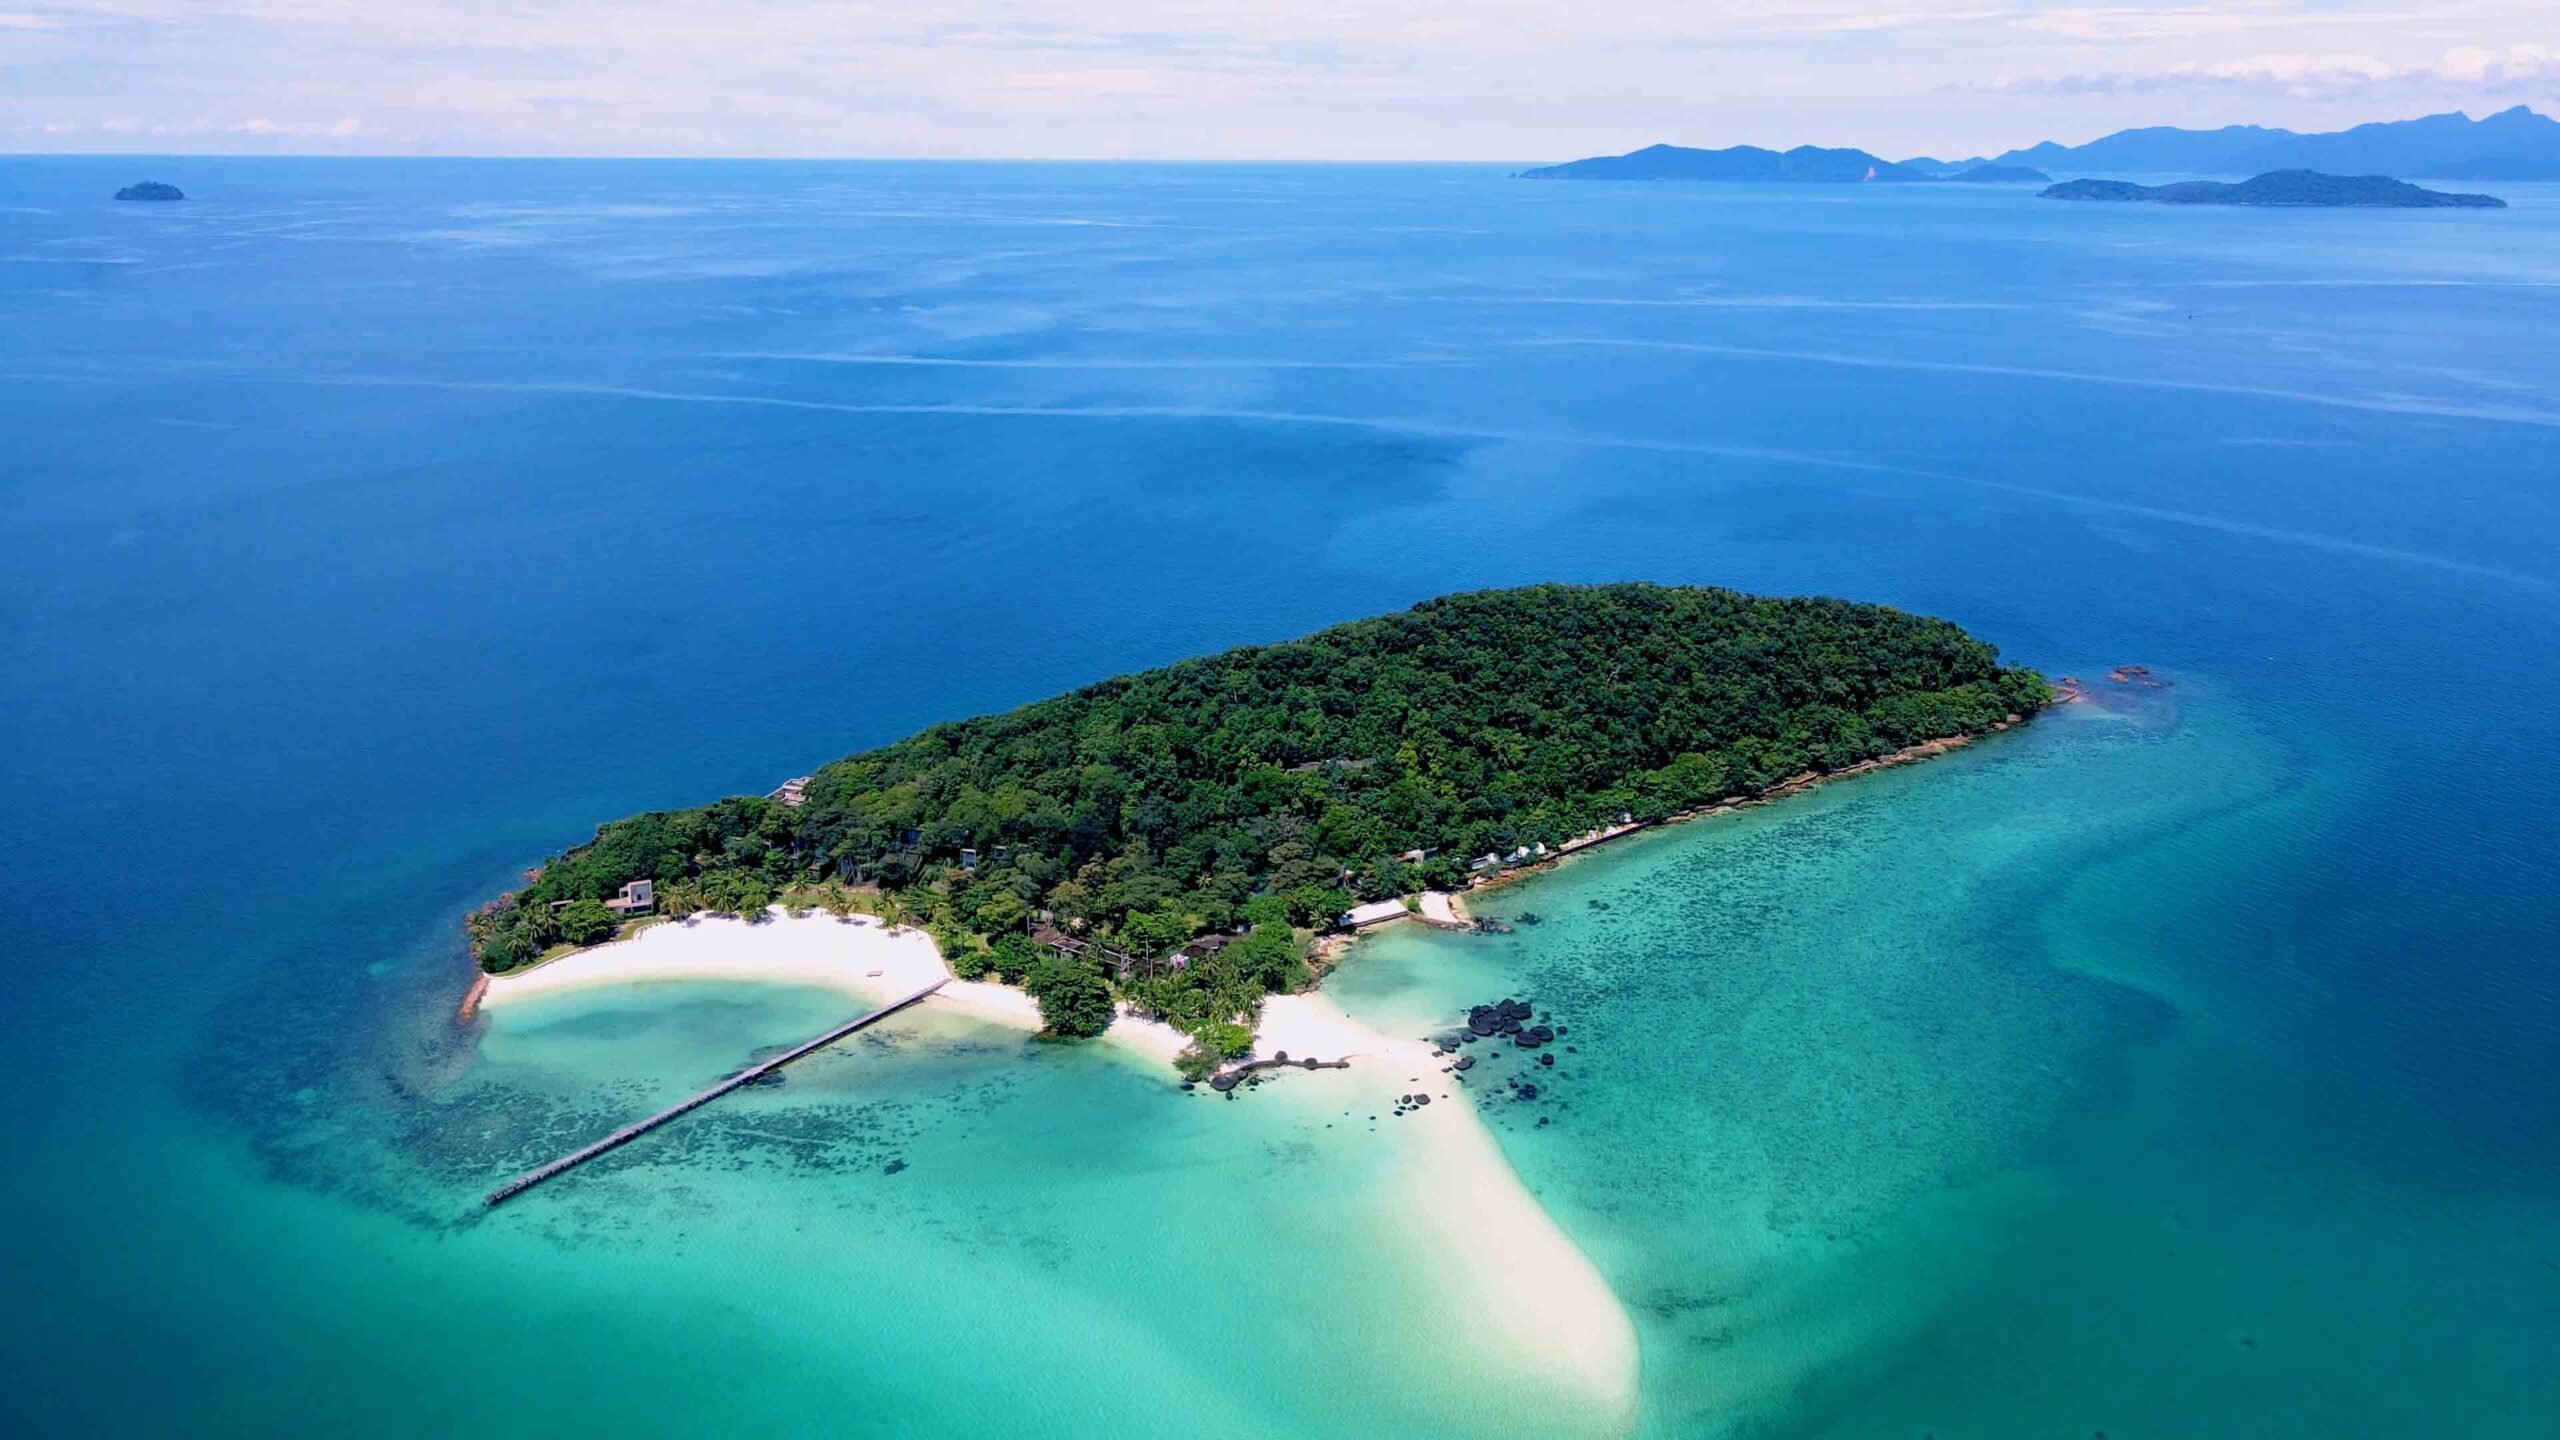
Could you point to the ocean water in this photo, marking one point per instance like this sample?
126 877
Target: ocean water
2185 1063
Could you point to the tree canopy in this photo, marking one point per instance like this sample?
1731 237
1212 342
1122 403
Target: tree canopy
1275 784
1074 999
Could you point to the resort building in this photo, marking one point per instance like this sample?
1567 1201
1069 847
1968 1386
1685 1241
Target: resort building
639 897
1182 957
1058 942
1372 913
793 792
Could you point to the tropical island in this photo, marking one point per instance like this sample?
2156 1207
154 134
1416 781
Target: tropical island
2280 187
1169 843
151 190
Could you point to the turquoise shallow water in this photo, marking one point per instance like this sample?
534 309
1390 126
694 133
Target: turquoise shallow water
2184 1066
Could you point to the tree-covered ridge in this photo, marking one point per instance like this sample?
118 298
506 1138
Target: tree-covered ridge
1278 782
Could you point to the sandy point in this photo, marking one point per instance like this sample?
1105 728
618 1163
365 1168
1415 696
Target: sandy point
1483 1232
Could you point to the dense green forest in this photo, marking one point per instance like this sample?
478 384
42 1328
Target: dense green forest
1269 787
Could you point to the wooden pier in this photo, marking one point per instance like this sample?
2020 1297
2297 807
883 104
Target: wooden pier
748 1076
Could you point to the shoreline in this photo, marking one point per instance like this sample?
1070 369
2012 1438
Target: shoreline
1796 784
855 956
1332 948
1473 1226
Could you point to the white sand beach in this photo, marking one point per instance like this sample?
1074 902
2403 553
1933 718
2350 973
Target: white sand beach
859 956
1487 1235
1473 1224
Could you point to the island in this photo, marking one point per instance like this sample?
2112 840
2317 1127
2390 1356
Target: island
1741 162
1167 844
2280 188
151 190
2001 175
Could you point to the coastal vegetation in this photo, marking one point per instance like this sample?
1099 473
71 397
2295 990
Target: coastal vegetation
1255 795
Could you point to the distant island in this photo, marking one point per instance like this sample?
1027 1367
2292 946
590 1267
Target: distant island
1177 835
1741 162
2281 187
2000 175
2513 144
151 190
1805 163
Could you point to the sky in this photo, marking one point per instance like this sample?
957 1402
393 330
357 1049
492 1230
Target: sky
1227 79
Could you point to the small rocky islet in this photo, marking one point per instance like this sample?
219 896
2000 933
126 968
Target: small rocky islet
151 190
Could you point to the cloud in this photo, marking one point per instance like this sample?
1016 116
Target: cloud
1217 78
342 129
2130 22
2316 77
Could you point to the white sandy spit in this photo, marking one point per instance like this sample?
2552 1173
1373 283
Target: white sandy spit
858 956
1486 1232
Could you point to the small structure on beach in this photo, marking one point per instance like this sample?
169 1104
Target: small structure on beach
638 897
1375 912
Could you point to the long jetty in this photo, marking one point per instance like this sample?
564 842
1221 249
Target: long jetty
690 1103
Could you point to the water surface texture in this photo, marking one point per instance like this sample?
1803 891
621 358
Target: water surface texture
2187 1063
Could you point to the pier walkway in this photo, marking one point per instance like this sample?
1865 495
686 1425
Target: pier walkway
748 1076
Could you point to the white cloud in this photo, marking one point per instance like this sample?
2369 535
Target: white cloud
342 129
2309 77
1509 79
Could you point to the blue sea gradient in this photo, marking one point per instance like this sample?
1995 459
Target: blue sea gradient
2186 1063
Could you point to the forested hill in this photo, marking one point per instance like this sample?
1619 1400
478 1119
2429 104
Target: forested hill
1280 781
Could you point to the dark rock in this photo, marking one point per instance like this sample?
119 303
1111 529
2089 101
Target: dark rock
1528 1092
151 190
893 1167
1464 1062
1546 1059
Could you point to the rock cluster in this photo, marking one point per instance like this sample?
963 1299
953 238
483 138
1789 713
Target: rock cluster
1514 1020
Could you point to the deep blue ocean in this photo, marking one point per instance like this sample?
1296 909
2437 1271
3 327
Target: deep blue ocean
2187 1063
